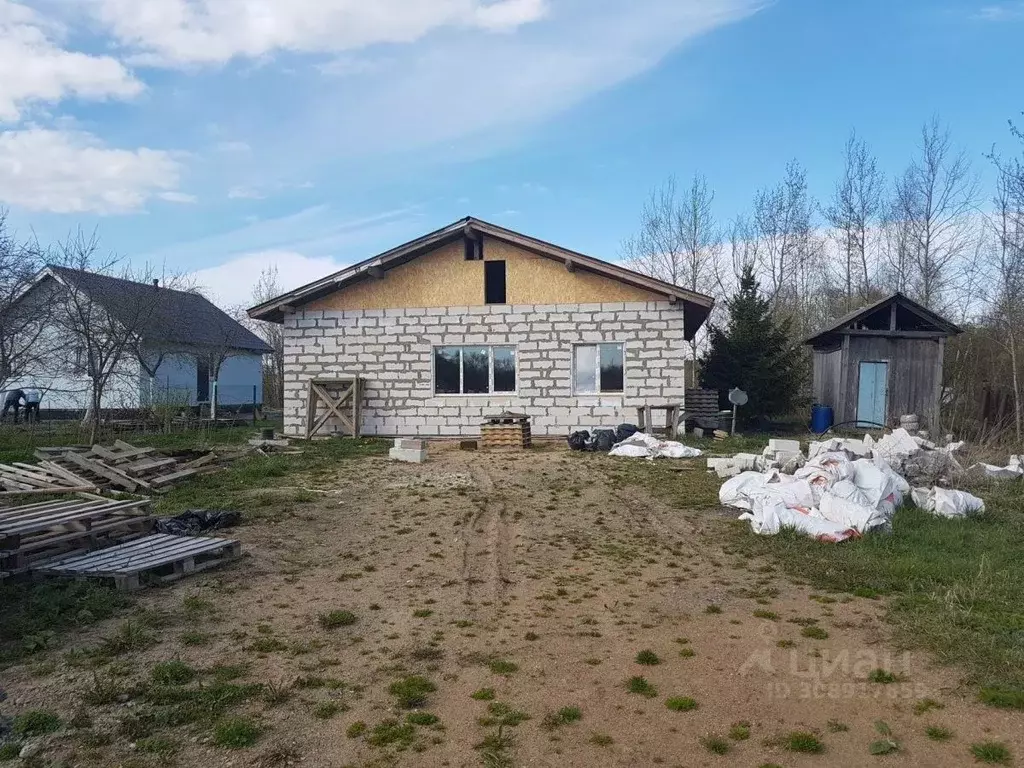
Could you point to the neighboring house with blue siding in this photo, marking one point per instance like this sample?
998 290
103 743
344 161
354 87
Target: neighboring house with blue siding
183 347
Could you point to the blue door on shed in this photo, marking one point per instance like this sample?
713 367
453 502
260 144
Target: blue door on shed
871 393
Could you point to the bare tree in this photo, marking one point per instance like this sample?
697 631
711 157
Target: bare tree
267 288
853 215
934 199
678 241
99 340
1007 273
23 342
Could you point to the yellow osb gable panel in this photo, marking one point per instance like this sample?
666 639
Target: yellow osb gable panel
443 278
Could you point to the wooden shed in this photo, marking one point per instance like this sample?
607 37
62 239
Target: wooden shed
882 361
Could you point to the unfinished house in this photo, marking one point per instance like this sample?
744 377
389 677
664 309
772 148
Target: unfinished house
428 338
881 362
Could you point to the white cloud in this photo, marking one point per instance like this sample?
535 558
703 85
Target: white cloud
178 197
230 284
245 193
1011 11
36 69
73 172
187 32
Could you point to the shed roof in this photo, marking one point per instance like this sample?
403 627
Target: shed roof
696 306
926 321
172 317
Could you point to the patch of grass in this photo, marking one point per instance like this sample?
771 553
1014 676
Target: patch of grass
763 614
422 718
494 749
739 731
687 652
356 729
800 741
927 705
9 750
412 691
193 637
236 732
837 726
503 667
564 716
993 752
129 637
814 632
483 694
423 613
641 686
715 744
504 715
601 739
335 619
713 608
325 710
174 672
390 732
647 658
157 745
938 733
36 722
531 636
1002 697
267 645
884 677
681 703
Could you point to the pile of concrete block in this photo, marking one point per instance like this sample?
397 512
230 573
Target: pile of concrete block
780 454
414 451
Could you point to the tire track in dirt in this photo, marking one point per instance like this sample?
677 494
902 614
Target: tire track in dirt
487 545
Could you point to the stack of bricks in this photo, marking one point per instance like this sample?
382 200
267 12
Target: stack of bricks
414 451
392 350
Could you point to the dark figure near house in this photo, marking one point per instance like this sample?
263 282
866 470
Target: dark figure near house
13 400
32 398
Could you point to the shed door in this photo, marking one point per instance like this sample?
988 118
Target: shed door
871 393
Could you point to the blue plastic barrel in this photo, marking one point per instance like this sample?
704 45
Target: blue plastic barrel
821 418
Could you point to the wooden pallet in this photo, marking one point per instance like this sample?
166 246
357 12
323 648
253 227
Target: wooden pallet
154 559
44 478
506 430
37 532
123 467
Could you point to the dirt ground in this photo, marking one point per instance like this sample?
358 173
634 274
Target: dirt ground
541 575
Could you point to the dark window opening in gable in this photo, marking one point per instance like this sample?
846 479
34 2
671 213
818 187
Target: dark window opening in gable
494 282
473 250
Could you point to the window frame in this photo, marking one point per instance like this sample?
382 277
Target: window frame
597 373
490 370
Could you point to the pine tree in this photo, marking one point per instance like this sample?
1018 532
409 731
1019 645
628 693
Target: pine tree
754 353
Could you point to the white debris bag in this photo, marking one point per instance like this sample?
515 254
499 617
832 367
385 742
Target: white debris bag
1012 471
643 446
945 502
769 516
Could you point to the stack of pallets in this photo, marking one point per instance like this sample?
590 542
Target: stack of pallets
35 533
505 430
46 477
123 467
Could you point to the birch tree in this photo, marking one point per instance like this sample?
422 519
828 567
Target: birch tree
934 201
23 343
853 215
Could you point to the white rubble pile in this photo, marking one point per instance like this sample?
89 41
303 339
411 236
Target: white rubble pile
1012 471
643 446
845 488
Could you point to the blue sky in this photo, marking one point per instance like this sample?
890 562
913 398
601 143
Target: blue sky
220 136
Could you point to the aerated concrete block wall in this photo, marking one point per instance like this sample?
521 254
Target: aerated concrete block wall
392 349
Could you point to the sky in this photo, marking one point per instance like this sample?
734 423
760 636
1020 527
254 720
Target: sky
223 136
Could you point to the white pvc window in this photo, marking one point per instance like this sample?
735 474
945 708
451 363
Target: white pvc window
474 370
598 369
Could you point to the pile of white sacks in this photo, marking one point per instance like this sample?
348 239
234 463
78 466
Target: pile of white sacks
845 489
643 446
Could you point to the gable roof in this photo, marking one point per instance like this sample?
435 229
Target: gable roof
929 319
174 317
696 307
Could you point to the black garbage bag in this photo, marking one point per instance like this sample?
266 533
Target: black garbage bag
194 521
578 440
604 439
625 430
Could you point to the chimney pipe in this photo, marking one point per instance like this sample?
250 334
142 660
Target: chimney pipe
156 283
